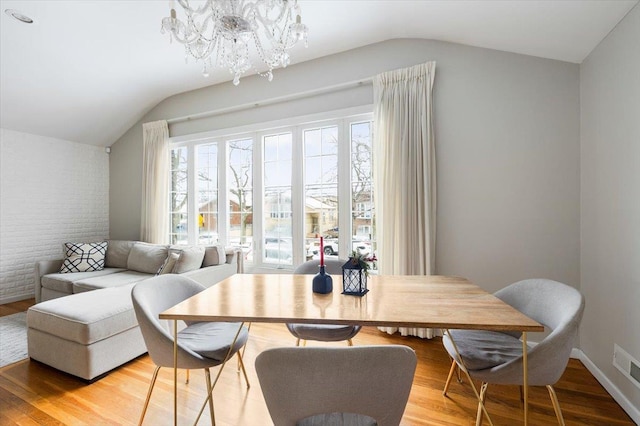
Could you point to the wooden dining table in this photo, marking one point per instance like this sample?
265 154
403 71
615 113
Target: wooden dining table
442 302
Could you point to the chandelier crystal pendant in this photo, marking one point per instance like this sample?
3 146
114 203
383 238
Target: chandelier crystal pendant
223 30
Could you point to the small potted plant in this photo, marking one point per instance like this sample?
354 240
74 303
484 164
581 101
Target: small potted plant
354 275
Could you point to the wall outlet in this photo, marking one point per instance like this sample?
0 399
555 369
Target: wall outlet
627 365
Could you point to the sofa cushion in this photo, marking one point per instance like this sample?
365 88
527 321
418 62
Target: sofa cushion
83 257
117 280
85 318
118 253
190 259
64 282
147 258
214 255
167 267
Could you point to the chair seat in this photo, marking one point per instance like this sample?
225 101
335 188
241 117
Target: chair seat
483 349
337 419
323 332
212 339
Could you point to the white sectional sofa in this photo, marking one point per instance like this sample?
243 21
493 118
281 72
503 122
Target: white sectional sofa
83 322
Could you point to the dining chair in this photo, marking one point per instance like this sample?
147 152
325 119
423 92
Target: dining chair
496 357
200 344
323 332
355 386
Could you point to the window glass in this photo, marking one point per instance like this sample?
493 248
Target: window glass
321 190
362 211
178 196
277 209
240 195
207 181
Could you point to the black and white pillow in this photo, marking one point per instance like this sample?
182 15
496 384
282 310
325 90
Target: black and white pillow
83 257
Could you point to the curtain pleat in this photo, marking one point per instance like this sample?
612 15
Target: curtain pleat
405 174
154 226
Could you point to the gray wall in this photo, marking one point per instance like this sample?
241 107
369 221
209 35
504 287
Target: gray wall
610 198
507 137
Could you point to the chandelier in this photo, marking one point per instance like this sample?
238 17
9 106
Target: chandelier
221 32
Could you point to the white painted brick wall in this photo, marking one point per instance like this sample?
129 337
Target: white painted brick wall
51 191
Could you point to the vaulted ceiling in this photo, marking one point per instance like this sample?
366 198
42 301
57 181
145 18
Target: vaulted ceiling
86 71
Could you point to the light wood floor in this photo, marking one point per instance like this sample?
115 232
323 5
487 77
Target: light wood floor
34 394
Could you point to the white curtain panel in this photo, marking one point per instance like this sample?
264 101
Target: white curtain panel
154 227
405 174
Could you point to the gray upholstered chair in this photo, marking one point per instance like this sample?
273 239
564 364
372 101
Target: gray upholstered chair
349 386
200 344
323 332
494 357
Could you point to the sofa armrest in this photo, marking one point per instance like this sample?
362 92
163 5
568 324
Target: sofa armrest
44 267
234 255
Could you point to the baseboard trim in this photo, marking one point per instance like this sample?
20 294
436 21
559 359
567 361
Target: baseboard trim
609 386
12 299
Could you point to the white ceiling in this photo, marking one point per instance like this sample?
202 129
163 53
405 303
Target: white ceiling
86 71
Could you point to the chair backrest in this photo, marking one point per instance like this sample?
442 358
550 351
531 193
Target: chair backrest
299 382
333 266
152 297
558 307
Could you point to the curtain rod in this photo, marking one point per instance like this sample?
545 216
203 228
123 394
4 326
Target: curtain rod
272 101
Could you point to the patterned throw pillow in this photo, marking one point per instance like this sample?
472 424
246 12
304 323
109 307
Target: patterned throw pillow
83 257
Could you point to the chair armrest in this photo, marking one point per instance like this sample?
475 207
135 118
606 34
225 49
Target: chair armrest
44 267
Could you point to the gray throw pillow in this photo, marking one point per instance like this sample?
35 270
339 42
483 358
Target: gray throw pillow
118 253
214 255
147 258
190 259
169 264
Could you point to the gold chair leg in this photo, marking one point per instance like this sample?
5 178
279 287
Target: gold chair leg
244 348
483 397
350 342
146 402
226 359
187 379
207 375
446 385
298 342
241 362
556 405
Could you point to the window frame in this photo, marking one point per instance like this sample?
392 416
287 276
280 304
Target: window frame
342 119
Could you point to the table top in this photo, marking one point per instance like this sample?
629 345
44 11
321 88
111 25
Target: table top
393 300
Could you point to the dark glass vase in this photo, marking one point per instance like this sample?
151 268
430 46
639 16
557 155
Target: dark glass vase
322 282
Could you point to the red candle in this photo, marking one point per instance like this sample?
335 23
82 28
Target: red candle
321 252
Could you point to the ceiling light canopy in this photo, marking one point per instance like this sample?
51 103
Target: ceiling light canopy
223 30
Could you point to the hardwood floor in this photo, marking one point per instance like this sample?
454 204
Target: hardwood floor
35 394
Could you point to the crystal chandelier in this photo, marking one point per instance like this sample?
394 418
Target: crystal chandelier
222 30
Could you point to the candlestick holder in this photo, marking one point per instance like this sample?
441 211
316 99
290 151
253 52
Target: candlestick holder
322 282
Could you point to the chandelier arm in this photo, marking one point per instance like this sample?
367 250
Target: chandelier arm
185 5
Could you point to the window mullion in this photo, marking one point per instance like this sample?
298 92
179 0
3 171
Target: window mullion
258 199
192 190
297 197
223 198
344 188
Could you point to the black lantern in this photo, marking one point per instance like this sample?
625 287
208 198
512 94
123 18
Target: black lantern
354 277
